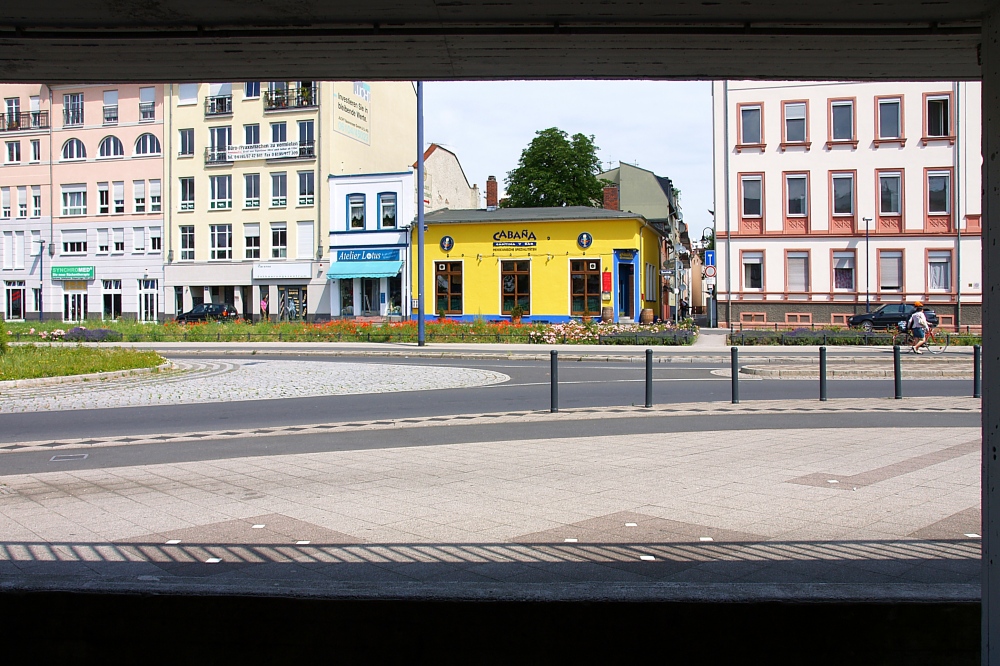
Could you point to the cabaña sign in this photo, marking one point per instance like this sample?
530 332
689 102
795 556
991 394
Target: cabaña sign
508 234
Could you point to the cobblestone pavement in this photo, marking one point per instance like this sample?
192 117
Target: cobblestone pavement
242 379
759 508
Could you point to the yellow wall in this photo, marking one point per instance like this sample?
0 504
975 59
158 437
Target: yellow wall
550 262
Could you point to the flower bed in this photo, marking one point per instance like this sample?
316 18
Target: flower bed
830 336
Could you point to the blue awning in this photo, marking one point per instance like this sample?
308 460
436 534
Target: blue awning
364 269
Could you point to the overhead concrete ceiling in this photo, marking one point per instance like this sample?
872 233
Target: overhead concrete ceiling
175 40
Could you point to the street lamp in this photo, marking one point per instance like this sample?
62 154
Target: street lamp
868 297
41 278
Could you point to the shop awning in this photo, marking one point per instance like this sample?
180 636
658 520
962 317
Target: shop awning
363 269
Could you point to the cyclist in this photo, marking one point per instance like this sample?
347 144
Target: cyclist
918 327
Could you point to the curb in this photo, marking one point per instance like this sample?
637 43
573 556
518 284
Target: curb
71 379
811 372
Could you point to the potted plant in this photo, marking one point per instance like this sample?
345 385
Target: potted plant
516 313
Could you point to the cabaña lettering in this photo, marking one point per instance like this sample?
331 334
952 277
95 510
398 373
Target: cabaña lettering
513 234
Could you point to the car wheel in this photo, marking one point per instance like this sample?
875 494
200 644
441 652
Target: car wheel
867 326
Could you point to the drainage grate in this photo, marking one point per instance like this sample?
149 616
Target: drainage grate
69 456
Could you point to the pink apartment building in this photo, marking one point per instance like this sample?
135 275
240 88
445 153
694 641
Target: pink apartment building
87 163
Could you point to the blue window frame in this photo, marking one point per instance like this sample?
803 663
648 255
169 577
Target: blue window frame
355 212
388 212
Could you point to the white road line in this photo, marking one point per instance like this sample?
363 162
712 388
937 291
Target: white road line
625 381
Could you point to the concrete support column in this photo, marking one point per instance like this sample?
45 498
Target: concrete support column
991 341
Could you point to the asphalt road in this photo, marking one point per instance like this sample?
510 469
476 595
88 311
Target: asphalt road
582 384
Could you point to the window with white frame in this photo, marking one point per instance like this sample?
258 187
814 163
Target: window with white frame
112 292
13 250
939 270
356 211
279 189
795 122
103 241
843 194
796 188
36 150
387 210
103 199
155 203
187 243
110 107
74 149
186 142
139 195
304 239
938 192
307 138
890 199
279 240
155 239
36 201
890 120
753 270
73 109
890 270
74 199
22 201
843 271
118 195
306 188
147 144
797 267
750 126
251 240
222 192
221 241
74 241
938 121
118 235
251 134
186 190
111 146
251 190
147 104
279 132
138 239
842 120
13 155
251 89
753 196
5 203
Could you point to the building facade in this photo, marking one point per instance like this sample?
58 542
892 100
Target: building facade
557 264
832 198
248 225
81 191
445 182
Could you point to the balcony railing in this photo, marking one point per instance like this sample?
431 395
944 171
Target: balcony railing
307 149
12 122
291 98
221 105
111 115
72 117
215 155
147 110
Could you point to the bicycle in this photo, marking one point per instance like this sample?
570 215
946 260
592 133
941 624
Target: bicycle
935 343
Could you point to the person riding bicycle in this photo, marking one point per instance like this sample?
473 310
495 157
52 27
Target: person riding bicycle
918 327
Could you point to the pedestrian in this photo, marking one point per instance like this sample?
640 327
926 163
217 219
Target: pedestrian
684 309
263 307
918 327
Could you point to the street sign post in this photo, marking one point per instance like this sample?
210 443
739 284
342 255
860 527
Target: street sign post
709 257
709 271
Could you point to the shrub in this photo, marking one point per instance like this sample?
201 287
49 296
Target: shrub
82 334
3 340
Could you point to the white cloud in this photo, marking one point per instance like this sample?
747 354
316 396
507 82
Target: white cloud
662 126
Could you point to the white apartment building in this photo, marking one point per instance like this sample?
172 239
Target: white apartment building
836 197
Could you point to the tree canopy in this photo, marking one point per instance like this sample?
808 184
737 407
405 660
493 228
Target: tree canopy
556 170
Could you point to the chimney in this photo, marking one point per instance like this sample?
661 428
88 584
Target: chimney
491 193
611 197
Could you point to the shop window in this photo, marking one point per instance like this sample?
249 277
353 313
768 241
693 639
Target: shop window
112 299
515 285
15 308
346 297
448 287
585 287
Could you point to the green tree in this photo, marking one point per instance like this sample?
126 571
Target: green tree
556 170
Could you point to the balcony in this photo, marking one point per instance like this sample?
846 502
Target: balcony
72 117
221 105
147 111
13 122
111 115
292 98
215 155
307 149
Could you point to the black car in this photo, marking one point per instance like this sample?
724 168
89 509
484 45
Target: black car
888 316
209 312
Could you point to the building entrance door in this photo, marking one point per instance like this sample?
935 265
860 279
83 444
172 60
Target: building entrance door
370 296
626 291
148 300
15 300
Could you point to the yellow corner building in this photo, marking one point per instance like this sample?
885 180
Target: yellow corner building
557 264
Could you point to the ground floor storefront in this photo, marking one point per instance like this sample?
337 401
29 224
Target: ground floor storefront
368 282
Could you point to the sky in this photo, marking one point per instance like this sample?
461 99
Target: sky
665 127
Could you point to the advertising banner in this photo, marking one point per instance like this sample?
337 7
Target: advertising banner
263 151
73 272
352 110
368 255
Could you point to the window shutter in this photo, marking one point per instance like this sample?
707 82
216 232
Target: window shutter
102 238
36 245
74 236
843 261
154 188
110 98
139 186
119 191
798 271
187 93
8 249
305 240
147 95
891 270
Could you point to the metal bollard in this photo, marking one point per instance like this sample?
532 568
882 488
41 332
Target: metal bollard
736 375
649 378
897 371
554 377
822 374
977 371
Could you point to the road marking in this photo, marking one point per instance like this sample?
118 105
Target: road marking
647 558
623 381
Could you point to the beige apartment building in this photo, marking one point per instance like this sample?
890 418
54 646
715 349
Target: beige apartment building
248 223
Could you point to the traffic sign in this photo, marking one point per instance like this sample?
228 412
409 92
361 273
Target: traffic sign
710 281
709 257
710 271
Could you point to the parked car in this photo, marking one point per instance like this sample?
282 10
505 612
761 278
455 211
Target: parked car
209 312
887 316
